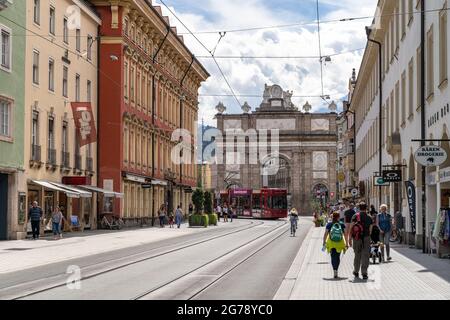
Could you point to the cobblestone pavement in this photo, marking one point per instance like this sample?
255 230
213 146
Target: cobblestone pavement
409 275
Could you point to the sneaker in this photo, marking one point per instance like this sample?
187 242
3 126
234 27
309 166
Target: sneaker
365 277
389 258
356 274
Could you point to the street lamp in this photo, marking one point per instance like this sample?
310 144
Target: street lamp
380 81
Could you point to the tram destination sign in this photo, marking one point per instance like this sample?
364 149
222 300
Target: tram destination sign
430 156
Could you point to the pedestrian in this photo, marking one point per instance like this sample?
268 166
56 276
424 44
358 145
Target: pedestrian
191 209
342 213
231 211
219 211
162 216
35 213
348 215
171 219
334 241
359 240
372 210
178 216
384 223
293 219
57 218
225 213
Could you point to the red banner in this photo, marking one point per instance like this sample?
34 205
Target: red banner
84 122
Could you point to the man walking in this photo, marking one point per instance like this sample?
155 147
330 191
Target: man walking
360 230
348 215
178 216
385 225
35 214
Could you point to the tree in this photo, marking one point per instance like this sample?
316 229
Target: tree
198 199
208 202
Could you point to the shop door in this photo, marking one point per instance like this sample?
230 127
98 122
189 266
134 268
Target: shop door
3 206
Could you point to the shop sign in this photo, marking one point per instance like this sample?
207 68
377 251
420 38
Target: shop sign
444 175
379 181
354 192
411 196
430 156
392 175
135 178
146 185
84 122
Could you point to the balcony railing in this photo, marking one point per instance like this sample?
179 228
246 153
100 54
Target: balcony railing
65 159
78 162
51 156
89 164
35 152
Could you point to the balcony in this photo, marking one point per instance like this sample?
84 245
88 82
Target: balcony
35 160
65 161
89 165
51 159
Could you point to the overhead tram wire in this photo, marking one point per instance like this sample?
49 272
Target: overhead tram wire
201 43
320 46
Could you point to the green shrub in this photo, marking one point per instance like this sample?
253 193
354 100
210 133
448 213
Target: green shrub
198 199
208 203
198 220
212 219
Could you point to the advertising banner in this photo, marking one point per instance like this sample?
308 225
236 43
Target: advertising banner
84 122
411 196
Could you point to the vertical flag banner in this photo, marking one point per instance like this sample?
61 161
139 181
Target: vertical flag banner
84 122
411 195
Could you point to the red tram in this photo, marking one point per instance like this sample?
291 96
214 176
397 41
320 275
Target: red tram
267 203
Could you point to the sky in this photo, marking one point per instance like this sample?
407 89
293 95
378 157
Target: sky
248 76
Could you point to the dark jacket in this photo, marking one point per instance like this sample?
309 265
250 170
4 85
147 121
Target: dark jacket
35 214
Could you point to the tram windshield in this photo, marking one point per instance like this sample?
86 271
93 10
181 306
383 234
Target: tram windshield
278 202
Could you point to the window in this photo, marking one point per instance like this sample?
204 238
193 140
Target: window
36 12
52 21
89 47
51 133
78 40
77 87
410 11
397 29
430 63
5 118
419 77
125 80
411 88
5 49
138 89
125 26
89 91
403 98
132 84
403 16
65 84
35 129
443 59
64 137
36 67
65 31
397 106
392 35
51 75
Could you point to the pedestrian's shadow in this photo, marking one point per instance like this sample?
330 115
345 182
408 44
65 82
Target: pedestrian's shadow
334 279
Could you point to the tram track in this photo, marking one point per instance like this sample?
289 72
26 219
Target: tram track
104 267
194 282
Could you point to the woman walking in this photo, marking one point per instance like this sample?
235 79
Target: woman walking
57 218
334 241
162 216
178 216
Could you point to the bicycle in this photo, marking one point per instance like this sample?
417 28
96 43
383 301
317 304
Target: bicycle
116 223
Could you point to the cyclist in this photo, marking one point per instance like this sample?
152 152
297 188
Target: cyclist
293 218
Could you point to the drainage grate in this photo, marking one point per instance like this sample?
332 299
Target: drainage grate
18 249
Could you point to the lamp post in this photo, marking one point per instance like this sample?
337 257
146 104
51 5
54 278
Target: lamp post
380 81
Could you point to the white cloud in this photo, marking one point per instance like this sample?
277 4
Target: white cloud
248 76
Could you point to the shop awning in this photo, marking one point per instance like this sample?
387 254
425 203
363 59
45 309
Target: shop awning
159 182
106 193
82 193
48 185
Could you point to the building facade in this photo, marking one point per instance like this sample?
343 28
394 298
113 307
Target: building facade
399 32
12 95
148 88
61 65
301 145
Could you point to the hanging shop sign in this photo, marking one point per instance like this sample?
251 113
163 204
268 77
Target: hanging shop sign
84 122
379 181
341 176
355 192
392 175
430 156
411 195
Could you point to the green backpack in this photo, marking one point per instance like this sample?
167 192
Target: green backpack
336 232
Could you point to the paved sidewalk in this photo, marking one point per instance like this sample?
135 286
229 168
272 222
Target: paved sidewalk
409 275
17 255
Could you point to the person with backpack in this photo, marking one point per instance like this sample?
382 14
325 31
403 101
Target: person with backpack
384 223
334 241
359 240
348 215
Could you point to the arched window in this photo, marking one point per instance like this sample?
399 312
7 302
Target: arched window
273 178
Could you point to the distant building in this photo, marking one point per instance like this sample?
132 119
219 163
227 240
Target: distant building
307 150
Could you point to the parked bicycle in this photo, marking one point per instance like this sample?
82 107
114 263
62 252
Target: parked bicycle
114 224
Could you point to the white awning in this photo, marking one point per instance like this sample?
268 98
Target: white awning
159 182
107 193
48 185
82 193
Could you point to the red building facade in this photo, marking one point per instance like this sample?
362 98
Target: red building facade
148 83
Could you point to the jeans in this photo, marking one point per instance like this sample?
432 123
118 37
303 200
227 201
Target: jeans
161 221
362 255
335 259
385 236
35 228
56 228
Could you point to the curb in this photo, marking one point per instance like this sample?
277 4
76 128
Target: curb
287 285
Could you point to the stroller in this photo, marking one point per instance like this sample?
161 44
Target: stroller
375 245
